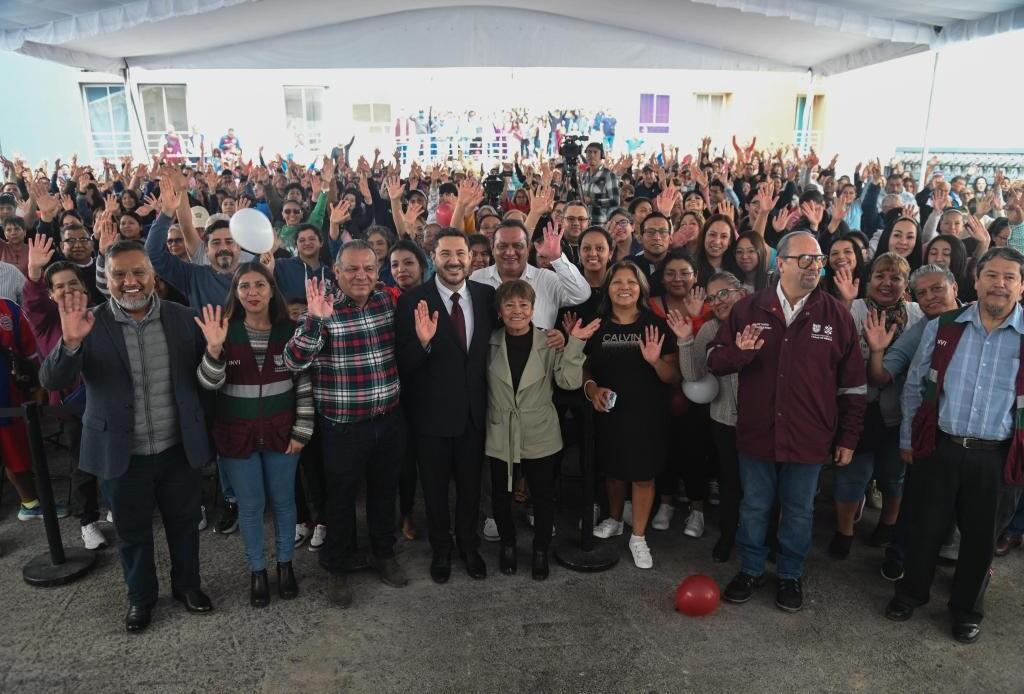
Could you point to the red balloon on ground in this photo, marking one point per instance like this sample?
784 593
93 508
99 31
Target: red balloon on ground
697 596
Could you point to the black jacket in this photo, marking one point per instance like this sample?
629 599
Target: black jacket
444 388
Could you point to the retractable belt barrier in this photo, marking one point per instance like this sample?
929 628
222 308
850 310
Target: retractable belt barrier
60 564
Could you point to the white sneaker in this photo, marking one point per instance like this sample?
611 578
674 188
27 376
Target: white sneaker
319 536
92 537
627 513
641 552
609 527
663 517
110 516
714 493
302 533
694 524
491 533
202 518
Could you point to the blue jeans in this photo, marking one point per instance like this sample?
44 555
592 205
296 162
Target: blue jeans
794 484
264 473
1016 526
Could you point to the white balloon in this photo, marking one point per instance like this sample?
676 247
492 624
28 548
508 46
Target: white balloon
703 391
252 230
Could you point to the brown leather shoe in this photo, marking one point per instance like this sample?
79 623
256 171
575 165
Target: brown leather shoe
1007 542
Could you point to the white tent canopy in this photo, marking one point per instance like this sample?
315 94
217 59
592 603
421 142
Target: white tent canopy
824 36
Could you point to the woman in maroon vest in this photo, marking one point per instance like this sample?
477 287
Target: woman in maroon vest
264 416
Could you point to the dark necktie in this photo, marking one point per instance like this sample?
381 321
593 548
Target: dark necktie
459 321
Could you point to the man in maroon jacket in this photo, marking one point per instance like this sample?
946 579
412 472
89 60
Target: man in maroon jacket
801 401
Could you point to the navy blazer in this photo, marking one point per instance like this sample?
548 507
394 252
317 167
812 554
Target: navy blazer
446 388
108 423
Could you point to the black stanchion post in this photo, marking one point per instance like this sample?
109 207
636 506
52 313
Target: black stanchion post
584 556
59 564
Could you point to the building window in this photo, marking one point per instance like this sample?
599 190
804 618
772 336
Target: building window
304 115
373 119
654 113
711 112
107 111
164 109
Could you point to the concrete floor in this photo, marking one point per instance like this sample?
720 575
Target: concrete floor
610 632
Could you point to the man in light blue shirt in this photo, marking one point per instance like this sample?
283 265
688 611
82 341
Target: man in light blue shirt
963 476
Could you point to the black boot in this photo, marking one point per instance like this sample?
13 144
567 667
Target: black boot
287 586
508 558
540 564
259 592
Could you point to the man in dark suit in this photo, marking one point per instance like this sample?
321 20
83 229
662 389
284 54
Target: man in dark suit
144 434
443 328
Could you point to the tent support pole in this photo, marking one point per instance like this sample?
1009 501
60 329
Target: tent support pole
928 124
129 90
805 125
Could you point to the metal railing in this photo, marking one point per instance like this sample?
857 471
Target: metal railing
111 145
431 147
805 140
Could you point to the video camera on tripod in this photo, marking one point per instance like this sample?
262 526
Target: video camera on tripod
570 152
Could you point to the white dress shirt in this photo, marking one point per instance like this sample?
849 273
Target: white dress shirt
789 310
465 301
565 286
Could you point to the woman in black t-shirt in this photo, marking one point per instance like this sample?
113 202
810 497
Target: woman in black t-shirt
630 366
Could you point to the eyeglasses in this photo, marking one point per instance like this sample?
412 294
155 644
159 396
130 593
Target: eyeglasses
806 260
719 296
622 223
579 220
77 242
291 211
656 232
175 241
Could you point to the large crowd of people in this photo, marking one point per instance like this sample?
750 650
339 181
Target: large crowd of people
736 324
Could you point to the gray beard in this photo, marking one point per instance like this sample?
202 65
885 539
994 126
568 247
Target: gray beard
134 304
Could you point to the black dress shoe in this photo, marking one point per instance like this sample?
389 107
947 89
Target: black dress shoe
508 561
722 550
441 568
898 611
966 632
540 564
138 617
475 566
195 601
259 591
741 588
287 586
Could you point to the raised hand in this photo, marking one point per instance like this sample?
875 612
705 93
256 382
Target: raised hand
978 232
568 321
551 246
318 303
846 284
169 198
875 332
67 203
766 199
40 251
47 204
666 200
267 260
694 301
781 221
940 200
910 211
342 212
395 188
650 348
814 212
584 332
215 329
726 208
426 323
681 325
76 321
106 232
543 201
749 338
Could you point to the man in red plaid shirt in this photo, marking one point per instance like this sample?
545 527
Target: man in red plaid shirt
349 343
